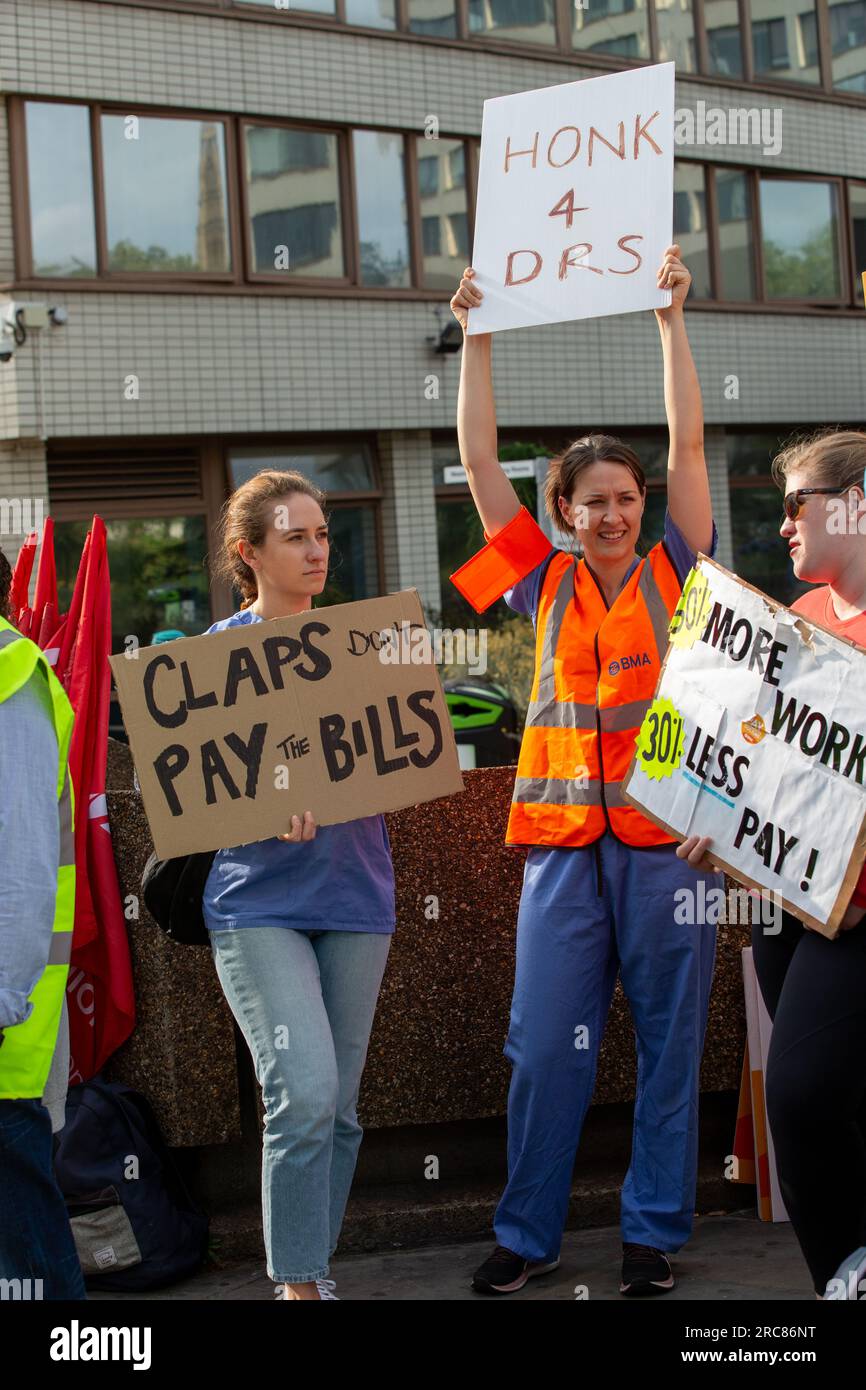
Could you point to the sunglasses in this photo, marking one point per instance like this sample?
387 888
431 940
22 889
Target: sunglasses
793 500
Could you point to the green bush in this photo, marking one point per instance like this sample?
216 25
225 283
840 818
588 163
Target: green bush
510 661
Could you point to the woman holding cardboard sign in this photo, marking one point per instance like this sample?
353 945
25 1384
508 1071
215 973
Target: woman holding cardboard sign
600 878
300 927
815 987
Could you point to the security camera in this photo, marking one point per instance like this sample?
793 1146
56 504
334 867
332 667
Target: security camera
17 319
11 333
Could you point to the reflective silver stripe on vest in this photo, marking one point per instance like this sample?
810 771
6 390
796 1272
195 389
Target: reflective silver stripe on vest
551 713
67 835
561 714
659 616
61 948
6 637
614 718
567 791
552 628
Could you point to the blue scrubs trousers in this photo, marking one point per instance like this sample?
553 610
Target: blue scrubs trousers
584 915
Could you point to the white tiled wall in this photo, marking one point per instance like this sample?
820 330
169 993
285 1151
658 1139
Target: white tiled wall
130 364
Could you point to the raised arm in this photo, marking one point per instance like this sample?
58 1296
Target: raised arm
688 484
492 491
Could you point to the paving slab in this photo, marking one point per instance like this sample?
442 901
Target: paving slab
730 1258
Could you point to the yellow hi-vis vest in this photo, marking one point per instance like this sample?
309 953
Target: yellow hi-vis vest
28 1047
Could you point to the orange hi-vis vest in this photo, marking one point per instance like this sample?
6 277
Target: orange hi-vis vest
596 670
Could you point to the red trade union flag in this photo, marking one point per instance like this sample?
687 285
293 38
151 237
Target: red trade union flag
99 990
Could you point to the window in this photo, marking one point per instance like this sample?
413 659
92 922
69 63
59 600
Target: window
722 21
60 182
527 21
848 44
690 225
857 199
444 221
307 6
377 14
619 27
340 470
734 202
676 34
382 214
157 522
459 530
784 40
800 239
166 206
436 18
159 583
809 37
293 201
760 554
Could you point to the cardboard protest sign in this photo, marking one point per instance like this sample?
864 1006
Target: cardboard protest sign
338 710
757 737
575 200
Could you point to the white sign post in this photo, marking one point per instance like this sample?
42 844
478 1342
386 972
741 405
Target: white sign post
575 200
757 737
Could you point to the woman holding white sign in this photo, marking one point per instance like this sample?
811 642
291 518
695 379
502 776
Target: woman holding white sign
600 878
300 927
815 988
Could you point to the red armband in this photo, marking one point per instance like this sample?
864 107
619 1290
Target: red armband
507 557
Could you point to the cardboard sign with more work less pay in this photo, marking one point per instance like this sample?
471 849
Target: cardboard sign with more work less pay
757 737
338 711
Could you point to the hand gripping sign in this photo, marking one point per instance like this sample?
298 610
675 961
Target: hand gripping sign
234 732
757 737
575 200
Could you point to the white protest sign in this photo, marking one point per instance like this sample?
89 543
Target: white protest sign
757 738
575 200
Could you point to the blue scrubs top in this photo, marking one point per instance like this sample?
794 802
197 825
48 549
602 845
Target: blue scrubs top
342 880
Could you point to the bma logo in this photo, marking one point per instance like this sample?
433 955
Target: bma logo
627 662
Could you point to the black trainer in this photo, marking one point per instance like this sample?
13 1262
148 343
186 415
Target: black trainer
506 1272
645 1271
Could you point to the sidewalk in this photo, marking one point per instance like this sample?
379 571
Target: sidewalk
729 1258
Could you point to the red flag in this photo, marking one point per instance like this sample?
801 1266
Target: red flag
46 581
20 587
23 621
99 991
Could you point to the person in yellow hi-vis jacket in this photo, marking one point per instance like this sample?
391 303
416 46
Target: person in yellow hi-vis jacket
37 907
600 880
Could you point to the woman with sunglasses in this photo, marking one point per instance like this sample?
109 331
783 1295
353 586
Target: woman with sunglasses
815 988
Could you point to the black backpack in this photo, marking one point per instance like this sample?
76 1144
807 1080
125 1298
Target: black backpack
173 890
133 1230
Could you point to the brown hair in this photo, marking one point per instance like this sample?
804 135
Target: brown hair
5 587
567 467
834 458
247 516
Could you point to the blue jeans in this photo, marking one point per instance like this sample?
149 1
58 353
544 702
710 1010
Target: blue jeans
585 916
304 1001
35 1236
